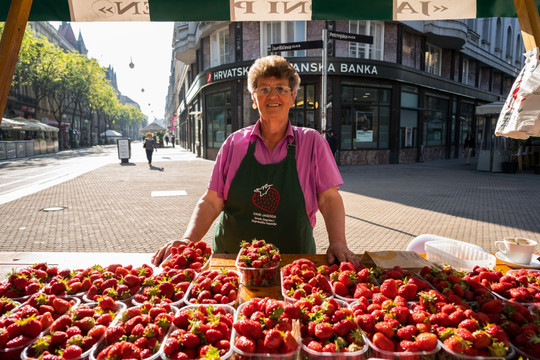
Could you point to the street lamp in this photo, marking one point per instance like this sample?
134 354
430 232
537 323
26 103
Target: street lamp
131 64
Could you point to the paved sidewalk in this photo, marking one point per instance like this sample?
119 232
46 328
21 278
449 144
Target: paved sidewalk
111 208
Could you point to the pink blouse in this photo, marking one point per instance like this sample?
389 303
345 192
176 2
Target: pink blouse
317 169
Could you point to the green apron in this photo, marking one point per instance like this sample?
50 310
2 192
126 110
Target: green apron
265 202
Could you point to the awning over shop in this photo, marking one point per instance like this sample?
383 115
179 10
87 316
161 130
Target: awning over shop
10 124
43 127
493 108
55 123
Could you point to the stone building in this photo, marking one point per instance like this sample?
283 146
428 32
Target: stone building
409 96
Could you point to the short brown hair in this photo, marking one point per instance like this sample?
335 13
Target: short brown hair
272 65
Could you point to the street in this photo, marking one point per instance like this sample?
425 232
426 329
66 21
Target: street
106 206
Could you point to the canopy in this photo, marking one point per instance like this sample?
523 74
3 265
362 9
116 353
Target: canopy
152 128
229 10
12 124
493 108
111 133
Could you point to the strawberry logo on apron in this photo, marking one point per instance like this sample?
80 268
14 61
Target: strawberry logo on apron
266 198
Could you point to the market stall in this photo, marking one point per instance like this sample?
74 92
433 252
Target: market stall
385 285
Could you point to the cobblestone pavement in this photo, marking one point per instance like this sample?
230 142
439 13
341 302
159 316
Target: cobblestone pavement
111 208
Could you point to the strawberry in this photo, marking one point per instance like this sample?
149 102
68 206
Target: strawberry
385 328
114 333
272 339
323 331
72 352
97 331
455 344
289 343
407 332
408 291
18 341
426 341
382 342
389 288
245 344
248 327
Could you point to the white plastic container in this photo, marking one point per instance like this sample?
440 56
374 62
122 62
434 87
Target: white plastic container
460 255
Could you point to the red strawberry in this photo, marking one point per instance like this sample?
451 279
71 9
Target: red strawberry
72 352
389 288
426 341
18 341
385 328
61 324
114 333
272 339
248 327
408 291
382 342
60 305
31 328
323 331
245 344
289 343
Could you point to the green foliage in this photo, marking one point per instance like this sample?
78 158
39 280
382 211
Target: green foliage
69 80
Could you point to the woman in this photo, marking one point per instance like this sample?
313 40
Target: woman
150 146
270 178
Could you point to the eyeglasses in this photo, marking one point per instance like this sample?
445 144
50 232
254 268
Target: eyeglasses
280 90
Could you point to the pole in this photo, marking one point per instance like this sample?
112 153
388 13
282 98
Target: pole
323 78
10 45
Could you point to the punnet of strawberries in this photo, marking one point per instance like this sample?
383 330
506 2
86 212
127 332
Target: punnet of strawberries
392 327
216 286
27 281
350 282
266 326
302 278
457 285
140 330
201 332
521 287
194 255
258 262
23 325
116 281
169 286
75 333
329 326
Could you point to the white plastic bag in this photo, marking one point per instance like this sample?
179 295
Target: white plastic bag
520 114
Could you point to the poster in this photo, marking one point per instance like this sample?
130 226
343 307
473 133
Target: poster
364 126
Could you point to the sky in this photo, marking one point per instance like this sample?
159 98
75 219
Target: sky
147 44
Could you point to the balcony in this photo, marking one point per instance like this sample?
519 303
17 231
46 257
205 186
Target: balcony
188 36
449 34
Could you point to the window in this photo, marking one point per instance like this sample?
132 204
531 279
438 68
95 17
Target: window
365 118
435 118
433 59
219 119
408 122
367 51
465 72
275 32
219 49
509 38
303 111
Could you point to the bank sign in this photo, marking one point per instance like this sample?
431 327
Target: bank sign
302 67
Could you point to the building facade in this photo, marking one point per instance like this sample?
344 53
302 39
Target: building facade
409 96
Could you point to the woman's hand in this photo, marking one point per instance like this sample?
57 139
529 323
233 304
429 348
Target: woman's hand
165 251
338 253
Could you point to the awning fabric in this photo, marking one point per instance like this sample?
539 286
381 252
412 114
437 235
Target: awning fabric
11 124
493 108
220 10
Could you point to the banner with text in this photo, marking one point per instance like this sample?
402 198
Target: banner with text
405 10
266 10
104 10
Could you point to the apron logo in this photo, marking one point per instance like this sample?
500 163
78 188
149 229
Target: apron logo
266 198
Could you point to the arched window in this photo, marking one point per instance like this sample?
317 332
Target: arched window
518 57
498 37
485 31
509 38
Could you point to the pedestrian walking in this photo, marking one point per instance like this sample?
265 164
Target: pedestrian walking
332 141
469 145
167 140
173 140
150 146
